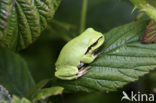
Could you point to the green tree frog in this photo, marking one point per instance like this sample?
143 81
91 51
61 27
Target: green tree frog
77 52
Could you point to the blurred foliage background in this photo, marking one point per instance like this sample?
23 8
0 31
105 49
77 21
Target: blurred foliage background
101 15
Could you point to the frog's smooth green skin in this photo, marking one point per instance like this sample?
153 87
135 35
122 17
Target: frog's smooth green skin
77 52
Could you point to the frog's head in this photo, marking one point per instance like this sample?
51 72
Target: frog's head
95 40
66 72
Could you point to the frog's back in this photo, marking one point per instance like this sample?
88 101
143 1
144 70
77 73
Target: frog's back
72 52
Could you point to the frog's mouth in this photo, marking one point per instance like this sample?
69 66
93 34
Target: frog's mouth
95 46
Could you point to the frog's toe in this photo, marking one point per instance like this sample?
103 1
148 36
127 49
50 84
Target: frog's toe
82 71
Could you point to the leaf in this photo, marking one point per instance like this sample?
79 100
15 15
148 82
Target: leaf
22 21
46 92
124 58
153 81
16 99
61 30
145 6
102 15
152 2
37 88
14 73
150 34
6 98
4 94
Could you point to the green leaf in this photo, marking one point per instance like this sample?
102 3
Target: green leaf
153 3
102 15
46 92
145 6
6 98
124 58
15 99
18 100
14 73
61 30
153 81
150 35
22 21
37 88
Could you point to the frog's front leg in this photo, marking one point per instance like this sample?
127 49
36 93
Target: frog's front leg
87 58
82 71
98 54
80 65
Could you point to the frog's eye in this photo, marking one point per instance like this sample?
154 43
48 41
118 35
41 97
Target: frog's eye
89 48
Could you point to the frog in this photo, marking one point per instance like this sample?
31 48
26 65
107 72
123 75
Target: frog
78 52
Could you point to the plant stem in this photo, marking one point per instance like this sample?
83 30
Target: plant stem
144 6
83 15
